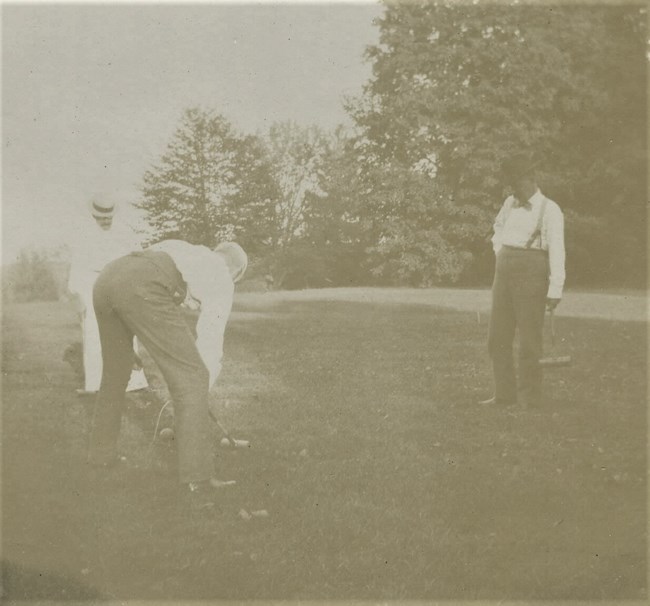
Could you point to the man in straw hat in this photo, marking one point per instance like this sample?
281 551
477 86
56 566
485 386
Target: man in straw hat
529 277
141 294
98 240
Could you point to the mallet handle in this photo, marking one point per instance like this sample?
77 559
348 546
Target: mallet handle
221 427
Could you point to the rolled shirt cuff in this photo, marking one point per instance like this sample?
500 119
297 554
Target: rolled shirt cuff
554 291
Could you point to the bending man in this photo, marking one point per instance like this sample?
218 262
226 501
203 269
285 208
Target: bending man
140 294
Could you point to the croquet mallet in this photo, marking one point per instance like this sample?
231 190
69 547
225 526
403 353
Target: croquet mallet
222 428
554 361
233 442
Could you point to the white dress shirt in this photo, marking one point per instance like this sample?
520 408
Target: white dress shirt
514 226
209 283
92 249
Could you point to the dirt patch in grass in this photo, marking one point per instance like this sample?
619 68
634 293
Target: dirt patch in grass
383 478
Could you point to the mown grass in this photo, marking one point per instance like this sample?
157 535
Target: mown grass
383 478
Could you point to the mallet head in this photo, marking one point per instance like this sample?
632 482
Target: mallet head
556 361
233 443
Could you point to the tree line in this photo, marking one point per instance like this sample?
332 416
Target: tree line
408 194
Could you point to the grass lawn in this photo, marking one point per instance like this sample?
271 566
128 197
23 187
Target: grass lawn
383 479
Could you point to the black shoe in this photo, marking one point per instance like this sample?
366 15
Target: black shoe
82 393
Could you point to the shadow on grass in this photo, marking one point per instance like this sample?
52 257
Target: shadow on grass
21 583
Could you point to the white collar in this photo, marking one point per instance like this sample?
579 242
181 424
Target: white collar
536 197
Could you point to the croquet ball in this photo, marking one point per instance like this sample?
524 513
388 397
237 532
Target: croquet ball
167 434
225 442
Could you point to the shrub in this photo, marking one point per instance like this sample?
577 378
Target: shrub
32 279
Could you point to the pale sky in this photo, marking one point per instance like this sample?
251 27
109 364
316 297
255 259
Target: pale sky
92 94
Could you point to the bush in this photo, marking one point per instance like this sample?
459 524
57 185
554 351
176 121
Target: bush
32 278
602 252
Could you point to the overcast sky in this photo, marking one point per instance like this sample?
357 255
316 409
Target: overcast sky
92 94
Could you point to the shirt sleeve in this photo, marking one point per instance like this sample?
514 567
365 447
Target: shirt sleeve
499 224
80 276
74 277
73 270
208 281
215 292
209 342
556 251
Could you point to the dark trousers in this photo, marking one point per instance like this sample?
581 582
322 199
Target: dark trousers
518 303
139 295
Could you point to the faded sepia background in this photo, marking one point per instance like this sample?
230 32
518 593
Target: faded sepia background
356 151
92 94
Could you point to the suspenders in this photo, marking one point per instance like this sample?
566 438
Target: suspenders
538 229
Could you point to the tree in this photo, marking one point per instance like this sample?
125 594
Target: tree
32 278
298 156
210 185
334 227
458 88
252 209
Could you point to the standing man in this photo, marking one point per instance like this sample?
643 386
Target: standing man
140 294
98 240
529 277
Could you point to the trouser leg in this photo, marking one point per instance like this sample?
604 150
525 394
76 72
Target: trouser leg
92 351
158 323
116 343
530 304
501 335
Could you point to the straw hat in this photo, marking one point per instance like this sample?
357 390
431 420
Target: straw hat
101 208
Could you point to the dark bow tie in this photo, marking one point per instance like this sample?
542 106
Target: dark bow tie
523 204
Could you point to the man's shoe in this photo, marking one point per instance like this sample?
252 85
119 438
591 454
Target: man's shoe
214 483
208 487
488 402
493 401
203 495
84 392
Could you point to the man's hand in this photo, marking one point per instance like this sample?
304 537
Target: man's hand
551 304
